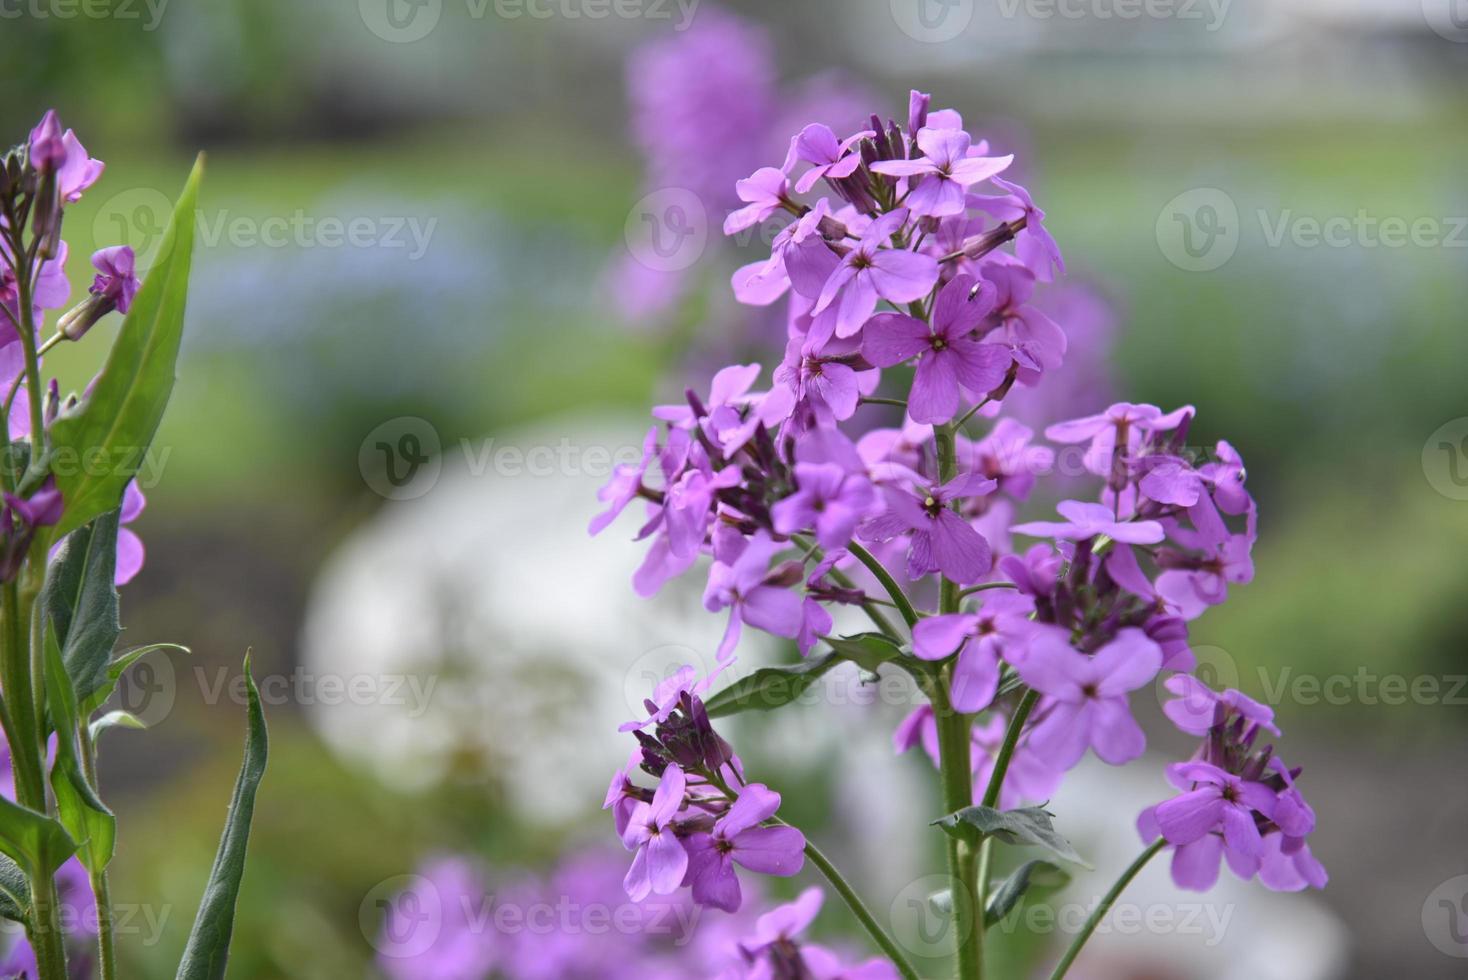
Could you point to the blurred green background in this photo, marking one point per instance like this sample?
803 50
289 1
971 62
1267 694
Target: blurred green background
1329 367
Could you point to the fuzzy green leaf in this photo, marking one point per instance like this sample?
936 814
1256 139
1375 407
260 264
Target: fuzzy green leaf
81 598
207 953
1026 825
1033 876
769 687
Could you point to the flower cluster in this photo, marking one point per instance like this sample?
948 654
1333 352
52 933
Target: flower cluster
38 181
908 265
704 817
1239 801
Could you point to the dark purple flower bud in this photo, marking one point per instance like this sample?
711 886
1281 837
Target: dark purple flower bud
46 151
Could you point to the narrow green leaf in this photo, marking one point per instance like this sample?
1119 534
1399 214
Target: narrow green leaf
207 952
81 598
83 815
867 650
1024 826
99 446
769 687
1032 876
117 668
116 719
15 892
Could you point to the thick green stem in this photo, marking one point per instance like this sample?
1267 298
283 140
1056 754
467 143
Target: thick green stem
955 762
1100 910
862 913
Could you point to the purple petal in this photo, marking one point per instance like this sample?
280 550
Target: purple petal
771 850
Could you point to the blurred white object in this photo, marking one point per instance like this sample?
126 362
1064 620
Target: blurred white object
522 633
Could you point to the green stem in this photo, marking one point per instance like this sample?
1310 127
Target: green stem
899 598
842 579
996 786
1100 911
862 913
101 888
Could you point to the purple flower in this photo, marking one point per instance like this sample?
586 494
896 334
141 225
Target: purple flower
623 794
130 552
45 151
1034 246
776 951
742 583
942 541
829 499
1195 709
819 380
999 629
1006 455
817 144
1117 430
1035 342
1212 820
871 270
115 280
1286 865
1086 703
1083 520
950 357
660 861
624 485
946 170
1201 582
738 838
764 192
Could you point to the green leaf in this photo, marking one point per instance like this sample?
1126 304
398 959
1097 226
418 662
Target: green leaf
116 719
207 952
15 892
769 687
38 843
81 598
83 815
117 668
99 446
1032 875
1027 825
867 650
